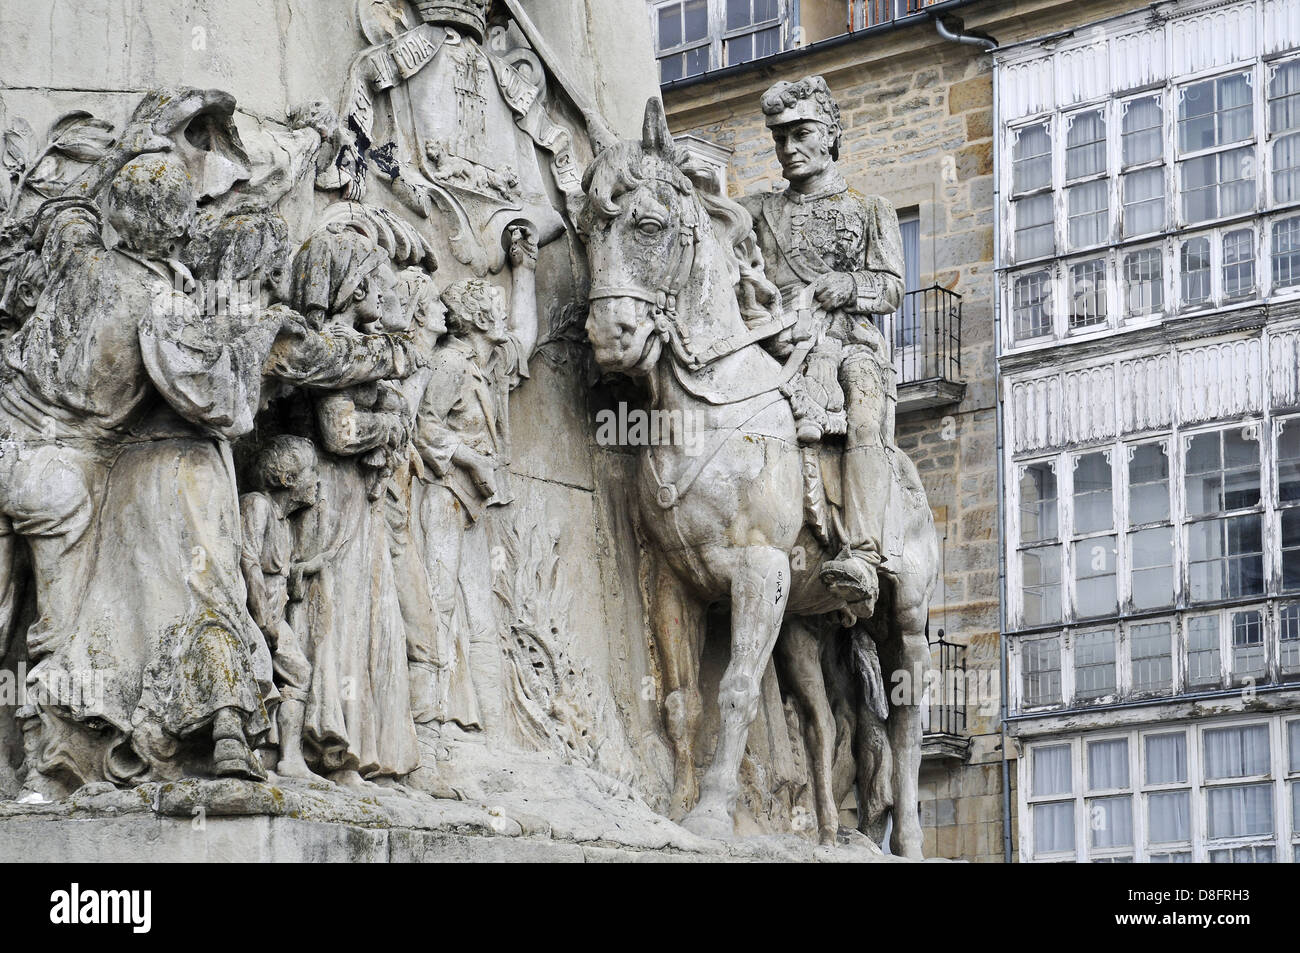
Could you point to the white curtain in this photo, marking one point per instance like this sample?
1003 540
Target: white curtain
1169 817
1052 770
1166 758
1144 139
1235 109
1236 752
1241 811
1286 168
1033 159
1108 764
1144 201
1085 152
1089 219
1110 820
1293 749
1284 110
1053 827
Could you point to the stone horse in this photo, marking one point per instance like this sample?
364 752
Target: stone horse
724 517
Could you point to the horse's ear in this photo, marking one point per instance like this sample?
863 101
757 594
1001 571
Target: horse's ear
655 135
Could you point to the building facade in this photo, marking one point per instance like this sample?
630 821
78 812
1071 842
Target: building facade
1148 288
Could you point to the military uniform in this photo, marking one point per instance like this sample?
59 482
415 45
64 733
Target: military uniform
839 230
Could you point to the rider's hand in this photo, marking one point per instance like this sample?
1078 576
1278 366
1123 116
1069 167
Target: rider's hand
834 290
523 249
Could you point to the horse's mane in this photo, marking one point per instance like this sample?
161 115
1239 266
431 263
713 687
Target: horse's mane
622 168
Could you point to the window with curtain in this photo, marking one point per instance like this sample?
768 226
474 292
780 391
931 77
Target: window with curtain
1031 310
1286 253
907 326
1144 202
1215 112
1052 774
1204 669
1088 294
1286 462
1150 531
1040 550
1088 213
1237 751
1110 822
1035 227
1240 811
1041 672
1031 159
1225 552
1095 543
1094 665
1143 131
1085 145
1108 764
1195 261
1151 655
1053 827
1052 777
1166 758
1284 125
1144 282
1218 185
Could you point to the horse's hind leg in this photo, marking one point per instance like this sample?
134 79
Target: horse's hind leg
909 651
678 621
799 648
760 586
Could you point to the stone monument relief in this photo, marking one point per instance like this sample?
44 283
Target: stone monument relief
305 513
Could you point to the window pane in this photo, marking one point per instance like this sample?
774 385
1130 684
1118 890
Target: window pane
1203 668
670 68
1151 558
1288 461
1093 500
1196 270
670 26
697 60
1148 484
1214 113
1152 657
1204 474
1225 558
740 50
1237 188
1037 503
1031 305
1241 469
1144 282
1042 585
767 42
1286 253
1035 228
1239 263
1247 629
1042 672
1290 520
737 14
1032 159
1144 139
1094 671
1293 750
1085 147
1286 168
1284 98
1240 811
1089 222
695 16
1236 752
1110 820
1094 577
1088 294
1107 764
1289 651
1169 817
1166 758
1144 202
1196 117
1052 771
1053 827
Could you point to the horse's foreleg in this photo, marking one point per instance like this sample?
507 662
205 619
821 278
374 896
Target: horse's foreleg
760 586
800 650
677 623
911 653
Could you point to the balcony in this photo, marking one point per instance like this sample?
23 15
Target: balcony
926 337
943 712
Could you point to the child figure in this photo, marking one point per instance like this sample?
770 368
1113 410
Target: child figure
287 480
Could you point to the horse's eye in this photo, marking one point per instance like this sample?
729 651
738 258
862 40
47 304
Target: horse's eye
649 228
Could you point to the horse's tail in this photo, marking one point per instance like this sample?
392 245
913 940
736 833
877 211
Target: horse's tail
867 659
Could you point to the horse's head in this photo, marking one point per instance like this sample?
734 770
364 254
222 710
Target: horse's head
643 223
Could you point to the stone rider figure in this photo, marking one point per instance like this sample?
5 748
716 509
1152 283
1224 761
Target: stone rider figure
823 238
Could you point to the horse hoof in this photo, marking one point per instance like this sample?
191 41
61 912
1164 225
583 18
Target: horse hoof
709 826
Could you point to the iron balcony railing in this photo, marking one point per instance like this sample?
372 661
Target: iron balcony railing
869 13
944 711
925 334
